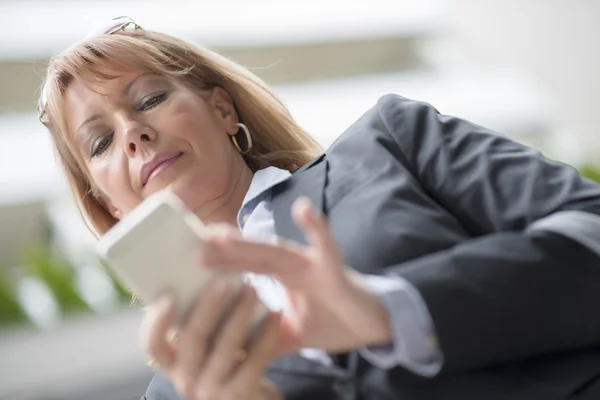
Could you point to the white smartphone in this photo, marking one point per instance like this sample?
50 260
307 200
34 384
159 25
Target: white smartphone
153 250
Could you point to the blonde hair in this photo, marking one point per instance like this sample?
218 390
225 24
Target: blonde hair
277 139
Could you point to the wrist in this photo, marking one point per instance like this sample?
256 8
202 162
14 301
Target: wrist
371 317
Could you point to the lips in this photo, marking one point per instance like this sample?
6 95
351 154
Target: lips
158 163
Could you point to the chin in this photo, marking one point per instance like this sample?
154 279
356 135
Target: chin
188 193
193 189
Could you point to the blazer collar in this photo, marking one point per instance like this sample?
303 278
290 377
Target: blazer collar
309 181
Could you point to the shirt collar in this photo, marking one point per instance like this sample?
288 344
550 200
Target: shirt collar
260 186
263 180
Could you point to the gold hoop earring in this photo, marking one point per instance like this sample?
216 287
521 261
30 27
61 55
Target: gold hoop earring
248 139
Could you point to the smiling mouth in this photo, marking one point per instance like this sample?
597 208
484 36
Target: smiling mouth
161 167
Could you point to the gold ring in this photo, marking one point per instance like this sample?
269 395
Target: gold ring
172 336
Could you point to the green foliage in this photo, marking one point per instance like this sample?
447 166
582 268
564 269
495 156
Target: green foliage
10 310
124 294
591 172
57 274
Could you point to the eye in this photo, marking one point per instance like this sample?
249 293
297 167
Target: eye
102 144
152 101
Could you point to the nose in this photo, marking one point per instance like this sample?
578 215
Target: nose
137 137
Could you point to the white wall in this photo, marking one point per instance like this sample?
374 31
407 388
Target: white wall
555 42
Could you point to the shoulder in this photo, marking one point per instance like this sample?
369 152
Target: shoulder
395 110
393 120
161 389
393 103
390 117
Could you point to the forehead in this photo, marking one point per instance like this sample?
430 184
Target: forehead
105 85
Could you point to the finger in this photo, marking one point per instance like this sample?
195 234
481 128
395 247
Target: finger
195 334
270 390
230 340
289 340
221 230
157 321
242 255
316 230
259 354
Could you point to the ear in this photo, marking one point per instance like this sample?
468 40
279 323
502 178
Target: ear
108 205
224 109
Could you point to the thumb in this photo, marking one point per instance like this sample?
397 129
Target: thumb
289 340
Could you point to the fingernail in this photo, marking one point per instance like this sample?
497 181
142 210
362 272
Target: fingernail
173 336
213 243
303 204
304 201
164 303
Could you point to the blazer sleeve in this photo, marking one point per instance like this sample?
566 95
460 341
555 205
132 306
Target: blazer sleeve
528 283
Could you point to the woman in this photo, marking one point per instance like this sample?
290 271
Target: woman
454 263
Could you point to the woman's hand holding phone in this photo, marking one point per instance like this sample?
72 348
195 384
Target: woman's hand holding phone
206 364
152 250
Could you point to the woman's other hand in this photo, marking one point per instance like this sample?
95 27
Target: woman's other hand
203 365
331 306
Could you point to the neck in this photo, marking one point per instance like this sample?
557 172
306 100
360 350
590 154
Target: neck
225 208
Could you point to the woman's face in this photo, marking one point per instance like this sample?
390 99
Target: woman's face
140 133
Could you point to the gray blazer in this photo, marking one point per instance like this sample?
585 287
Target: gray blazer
503 245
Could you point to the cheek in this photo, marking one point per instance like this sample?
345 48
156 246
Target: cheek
207 173
112 180
191 120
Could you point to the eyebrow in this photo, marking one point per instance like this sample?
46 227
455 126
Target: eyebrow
127 87
90 119
125 92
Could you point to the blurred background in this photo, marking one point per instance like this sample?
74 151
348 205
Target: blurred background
525 68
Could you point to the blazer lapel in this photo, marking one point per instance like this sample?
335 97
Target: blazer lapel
308 181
